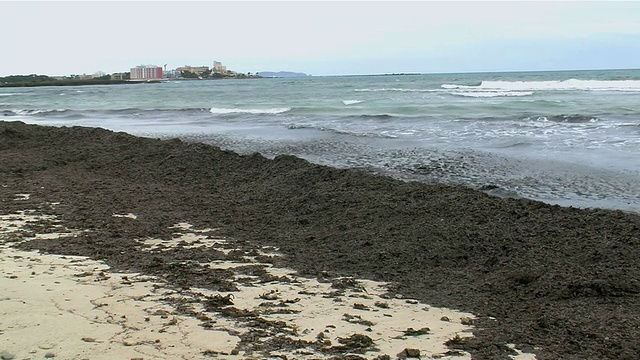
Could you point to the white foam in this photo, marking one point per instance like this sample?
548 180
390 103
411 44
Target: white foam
249 111
489 94
34 112
564 85
8 94
395 89
351 102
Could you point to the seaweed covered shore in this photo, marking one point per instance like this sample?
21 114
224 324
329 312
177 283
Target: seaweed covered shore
559 282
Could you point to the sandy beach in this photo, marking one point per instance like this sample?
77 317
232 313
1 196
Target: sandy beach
118 247
72 307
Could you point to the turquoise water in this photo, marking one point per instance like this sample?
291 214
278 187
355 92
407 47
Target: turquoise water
569 137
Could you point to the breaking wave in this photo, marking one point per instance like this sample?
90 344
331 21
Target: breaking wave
249 111
573 119
489 94
364 134
395 89
29 112
571 84
351 102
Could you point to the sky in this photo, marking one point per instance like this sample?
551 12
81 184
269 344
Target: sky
318 38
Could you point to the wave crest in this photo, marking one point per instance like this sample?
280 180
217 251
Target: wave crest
351 102
395 89
565 118
249 111
29 112
489 94
556 85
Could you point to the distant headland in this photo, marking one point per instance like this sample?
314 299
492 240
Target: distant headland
44 80
281 74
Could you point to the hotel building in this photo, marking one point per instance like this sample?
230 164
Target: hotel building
198 70
145 72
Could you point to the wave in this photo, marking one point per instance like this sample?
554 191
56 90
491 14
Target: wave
489 94
96 112
564 85
139 110
249 111
572 119
29 112
514 144
351 102
374 116
9 94
364 134
395 89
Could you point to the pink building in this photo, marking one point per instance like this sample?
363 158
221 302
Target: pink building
146 72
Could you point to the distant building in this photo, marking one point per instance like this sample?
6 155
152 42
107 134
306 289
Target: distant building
117 76
171 74
218 68
198 70
146 72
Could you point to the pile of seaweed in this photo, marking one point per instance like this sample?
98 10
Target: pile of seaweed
561 282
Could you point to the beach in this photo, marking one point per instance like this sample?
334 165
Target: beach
510 277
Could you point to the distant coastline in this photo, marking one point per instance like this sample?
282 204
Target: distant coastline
44 80
76 82
69 83
281 74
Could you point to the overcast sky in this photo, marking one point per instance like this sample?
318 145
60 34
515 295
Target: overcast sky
319 38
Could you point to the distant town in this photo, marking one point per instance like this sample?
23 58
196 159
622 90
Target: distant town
141 74
154 72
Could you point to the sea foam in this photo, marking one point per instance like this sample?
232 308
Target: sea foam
24 112
489 94
351 102
395 90
571 84
249 111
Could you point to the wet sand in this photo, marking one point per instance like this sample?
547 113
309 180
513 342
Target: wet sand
558 282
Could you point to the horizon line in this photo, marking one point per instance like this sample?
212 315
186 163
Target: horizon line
396 73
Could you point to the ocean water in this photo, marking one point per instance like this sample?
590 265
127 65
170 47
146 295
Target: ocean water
566 137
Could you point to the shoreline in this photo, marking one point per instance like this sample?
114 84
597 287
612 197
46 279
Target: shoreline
539 276
564 183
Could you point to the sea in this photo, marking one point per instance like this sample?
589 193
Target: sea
570 138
